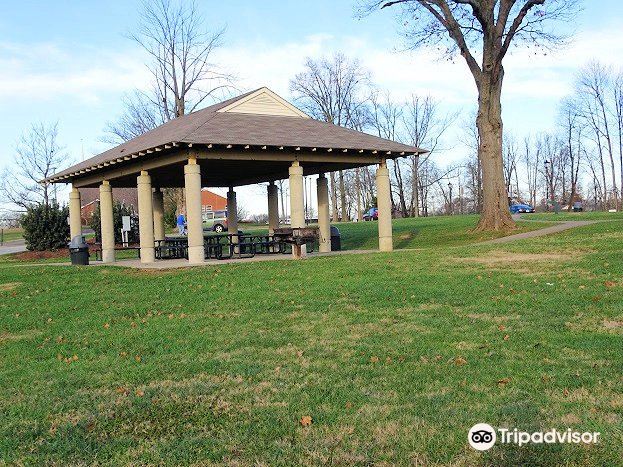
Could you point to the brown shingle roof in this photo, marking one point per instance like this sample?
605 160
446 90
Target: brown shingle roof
208 126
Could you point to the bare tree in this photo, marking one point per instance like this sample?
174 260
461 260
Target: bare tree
592 89
511 158
425 128
180 51
532 163
386 118
333 90
140 116
617 92
492 27
37 156
572 131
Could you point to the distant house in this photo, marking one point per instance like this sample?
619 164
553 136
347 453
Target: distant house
212 202
89 197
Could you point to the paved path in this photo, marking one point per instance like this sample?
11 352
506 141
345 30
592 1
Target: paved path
561 226
14 246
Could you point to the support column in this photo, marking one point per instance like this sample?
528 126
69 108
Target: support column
192 179
232 215
324 220
158 202
145 218
75 215
273 207
297 205
107 225
383 195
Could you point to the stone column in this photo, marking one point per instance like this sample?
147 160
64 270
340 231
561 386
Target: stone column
75 214
384 203
107 224
192 179
324 219
232 215
297 205
158 202
145 218
273 207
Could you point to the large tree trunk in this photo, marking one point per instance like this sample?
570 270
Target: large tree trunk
343 203
495 213
401 191
334 214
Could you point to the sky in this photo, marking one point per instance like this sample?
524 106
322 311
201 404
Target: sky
71 62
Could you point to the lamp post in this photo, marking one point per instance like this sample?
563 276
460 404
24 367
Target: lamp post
450 198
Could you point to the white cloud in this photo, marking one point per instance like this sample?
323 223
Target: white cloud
47 72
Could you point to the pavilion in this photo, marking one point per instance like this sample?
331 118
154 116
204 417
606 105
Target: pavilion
253 138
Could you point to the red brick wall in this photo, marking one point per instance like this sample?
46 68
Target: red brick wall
217 202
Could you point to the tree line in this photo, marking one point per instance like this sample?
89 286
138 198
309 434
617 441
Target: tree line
180 57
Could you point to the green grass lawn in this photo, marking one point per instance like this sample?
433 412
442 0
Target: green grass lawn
393 356
423 232
575 216
9 235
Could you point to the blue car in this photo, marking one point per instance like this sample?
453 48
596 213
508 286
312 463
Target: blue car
521 208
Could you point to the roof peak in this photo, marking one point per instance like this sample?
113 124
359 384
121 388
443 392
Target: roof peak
262 101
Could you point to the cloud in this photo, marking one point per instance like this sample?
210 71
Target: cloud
46 72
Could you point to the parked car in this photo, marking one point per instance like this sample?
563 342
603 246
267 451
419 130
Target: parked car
371 214
215 221
521 208
578 207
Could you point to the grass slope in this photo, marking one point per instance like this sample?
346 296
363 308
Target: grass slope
394 356
9 235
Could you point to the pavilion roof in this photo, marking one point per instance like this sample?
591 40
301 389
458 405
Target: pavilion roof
258 118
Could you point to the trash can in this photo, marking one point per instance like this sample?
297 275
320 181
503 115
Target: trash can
79 251
336 239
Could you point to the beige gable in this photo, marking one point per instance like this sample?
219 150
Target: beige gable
264 102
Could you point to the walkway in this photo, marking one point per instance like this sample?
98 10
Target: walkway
559 227
14 246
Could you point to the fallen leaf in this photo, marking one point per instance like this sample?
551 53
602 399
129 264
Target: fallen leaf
503 382
106 325
138 358
506 337
374 359
459 361
610 284
140 392
501 327
306 420
349 405
565 392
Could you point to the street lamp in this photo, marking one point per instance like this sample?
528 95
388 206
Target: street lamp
450 198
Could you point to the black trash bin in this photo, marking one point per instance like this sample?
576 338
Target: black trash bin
336 239
79 251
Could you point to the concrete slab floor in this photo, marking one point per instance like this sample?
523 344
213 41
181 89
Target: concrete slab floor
182 263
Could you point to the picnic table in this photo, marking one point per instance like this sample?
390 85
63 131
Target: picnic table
226 246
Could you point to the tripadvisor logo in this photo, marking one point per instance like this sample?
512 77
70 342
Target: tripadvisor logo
483 436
